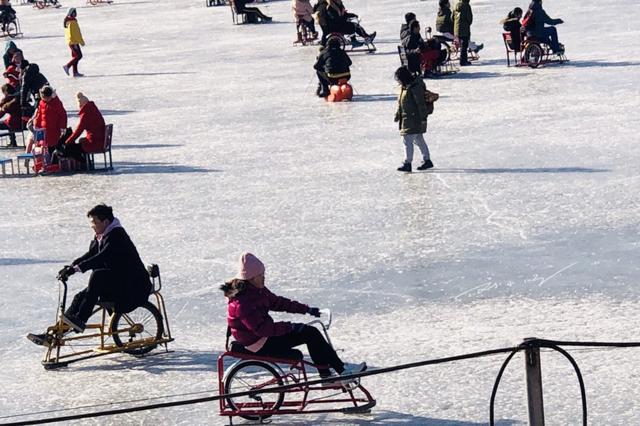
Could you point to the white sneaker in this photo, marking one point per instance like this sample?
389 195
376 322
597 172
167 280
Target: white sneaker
358 368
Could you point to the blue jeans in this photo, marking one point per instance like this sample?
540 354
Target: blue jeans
550 36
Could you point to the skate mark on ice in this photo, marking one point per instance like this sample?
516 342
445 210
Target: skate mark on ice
544 280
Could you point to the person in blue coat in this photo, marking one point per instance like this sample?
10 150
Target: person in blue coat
534 24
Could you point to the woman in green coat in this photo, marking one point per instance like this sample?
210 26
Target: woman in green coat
411 117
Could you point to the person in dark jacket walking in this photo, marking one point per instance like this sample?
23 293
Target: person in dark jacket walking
332 66
512 25
118 276
411 117
249 303
31 82
534 23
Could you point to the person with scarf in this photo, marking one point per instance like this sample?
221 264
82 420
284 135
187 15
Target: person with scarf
249 303
118 276
74 39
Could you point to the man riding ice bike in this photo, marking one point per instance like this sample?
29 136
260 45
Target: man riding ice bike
119 276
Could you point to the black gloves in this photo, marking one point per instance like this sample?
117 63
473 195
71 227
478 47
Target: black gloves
314 312
66 272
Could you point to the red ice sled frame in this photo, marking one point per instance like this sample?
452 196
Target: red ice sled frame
357 398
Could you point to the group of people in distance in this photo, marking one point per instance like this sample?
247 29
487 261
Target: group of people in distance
30 103
453 26
535 24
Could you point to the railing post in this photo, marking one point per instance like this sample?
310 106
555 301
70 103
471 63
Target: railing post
534 384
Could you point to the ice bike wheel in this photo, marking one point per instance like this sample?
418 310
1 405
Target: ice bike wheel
142 324
11 29
533 55
253 375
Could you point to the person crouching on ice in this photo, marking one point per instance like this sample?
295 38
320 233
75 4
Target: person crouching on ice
332 66
249 303
118 276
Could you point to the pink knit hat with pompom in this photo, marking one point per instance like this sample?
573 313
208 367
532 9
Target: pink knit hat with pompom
249 267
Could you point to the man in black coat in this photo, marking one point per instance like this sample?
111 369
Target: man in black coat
118 276
332 65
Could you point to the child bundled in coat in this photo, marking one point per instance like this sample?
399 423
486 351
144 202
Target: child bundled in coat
74 39
332 65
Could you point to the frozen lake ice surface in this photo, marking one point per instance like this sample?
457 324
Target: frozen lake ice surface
528 225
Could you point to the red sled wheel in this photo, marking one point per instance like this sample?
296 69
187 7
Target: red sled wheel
254 375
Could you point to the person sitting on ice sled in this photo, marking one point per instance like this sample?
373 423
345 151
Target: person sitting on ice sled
254 15
534 26
338 21
249 303
118 276
332 66
303 14
421 54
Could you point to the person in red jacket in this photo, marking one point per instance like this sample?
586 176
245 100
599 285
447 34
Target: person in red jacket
253 328
10 106
92 122
14 71
50 116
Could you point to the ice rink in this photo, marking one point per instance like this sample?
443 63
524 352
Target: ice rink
527 226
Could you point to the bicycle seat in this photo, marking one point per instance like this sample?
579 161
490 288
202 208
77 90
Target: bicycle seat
287 354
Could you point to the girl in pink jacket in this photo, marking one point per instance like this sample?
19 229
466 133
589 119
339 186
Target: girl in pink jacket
249 303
